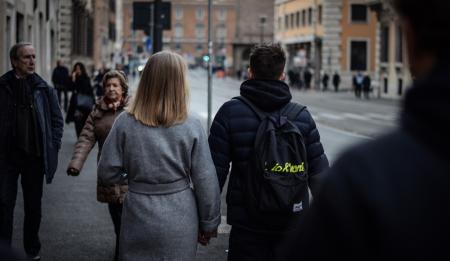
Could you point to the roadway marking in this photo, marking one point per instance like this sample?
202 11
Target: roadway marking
330 116
356 116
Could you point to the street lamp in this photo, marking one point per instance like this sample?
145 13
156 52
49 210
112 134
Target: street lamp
262 23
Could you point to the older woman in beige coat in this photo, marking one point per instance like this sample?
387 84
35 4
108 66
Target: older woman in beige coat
96 130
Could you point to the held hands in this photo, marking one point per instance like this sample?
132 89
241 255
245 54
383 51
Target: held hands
204 237
73 172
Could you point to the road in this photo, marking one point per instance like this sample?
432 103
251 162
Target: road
77 227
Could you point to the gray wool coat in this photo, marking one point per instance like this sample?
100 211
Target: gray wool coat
173 187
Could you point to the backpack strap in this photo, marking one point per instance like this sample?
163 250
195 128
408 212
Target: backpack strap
261 114
292 110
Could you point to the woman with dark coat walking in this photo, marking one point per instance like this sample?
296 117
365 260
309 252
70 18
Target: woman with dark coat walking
96 129
173 200
81 85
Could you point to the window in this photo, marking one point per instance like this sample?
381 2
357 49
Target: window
178 46
280 24
178 30
358 13
19 28
286 22
222 14
358 55
319 15
292 20
310 16
221 32
199 47
178 13
200 13
200 31
399 45
304 17
384 48
111 31
112 6
297 19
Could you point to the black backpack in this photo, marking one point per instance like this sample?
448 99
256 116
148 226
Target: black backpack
276 182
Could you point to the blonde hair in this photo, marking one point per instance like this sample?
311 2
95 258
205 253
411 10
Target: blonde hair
162 95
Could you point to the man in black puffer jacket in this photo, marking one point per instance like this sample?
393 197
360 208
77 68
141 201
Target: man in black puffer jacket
231 140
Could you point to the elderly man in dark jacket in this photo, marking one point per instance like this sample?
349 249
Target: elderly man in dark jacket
387 199
30 137
231 140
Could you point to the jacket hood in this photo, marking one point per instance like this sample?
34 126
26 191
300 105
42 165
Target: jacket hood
268 95
426 110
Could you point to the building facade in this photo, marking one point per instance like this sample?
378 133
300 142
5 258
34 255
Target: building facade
254 25
328 36
392 64
30 21
188 34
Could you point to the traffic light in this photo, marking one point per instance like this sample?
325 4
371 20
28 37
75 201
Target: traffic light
205 58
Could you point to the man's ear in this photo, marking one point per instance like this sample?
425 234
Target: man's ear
282 77
249 73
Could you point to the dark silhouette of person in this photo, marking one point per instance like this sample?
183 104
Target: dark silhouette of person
367 82
325 80
387 198
308 77
60 79
30 138
357 84
336 81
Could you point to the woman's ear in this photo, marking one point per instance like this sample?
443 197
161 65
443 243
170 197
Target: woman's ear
282 77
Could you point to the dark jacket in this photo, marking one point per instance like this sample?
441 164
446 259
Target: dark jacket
60 77
232 136
96 129
388 198
49 117
82 85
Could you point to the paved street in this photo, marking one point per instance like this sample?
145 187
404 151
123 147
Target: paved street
76 227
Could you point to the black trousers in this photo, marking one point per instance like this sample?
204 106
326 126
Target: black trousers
115 210
245 245
63 90
32 177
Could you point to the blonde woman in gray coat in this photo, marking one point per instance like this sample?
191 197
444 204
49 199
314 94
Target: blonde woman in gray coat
173 198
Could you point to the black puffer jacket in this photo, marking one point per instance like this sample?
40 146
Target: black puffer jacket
232 136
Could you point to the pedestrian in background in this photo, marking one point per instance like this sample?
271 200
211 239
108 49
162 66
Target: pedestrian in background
232 138
60 79
358 84
308 77
367 84
336 81
98 82
325 80
79 110
160 149
96 129
30 137
387 199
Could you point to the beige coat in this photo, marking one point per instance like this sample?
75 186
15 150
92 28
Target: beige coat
96 129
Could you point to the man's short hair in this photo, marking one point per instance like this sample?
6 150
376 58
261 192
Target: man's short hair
430 21
267 61
14 51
